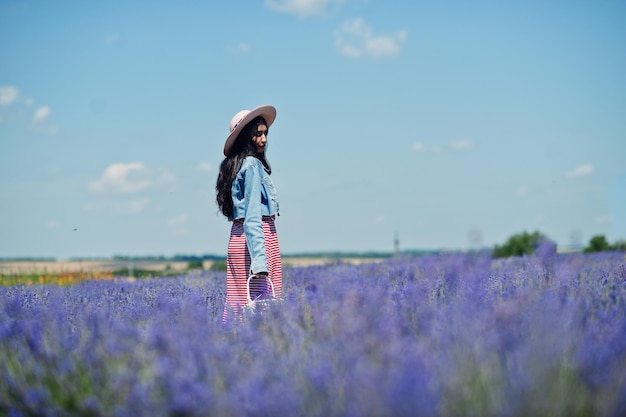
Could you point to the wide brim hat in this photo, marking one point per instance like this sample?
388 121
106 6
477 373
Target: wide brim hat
241 119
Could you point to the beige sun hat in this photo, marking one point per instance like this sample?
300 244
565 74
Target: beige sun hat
241 119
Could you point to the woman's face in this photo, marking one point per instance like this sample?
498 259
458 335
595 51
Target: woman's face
259 137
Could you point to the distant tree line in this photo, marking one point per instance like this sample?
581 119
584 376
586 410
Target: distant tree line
175 258
599 243
27 259
531 243
523 244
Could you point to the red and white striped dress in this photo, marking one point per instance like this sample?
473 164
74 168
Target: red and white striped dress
238 267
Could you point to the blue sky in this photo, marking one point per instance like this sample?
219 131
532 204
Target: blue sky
451 124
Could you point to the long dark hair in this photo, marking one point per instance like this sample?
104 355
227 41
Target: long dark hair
242 148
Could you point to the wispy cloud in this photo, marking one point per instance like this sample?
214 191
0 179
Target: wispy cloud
204 167
239 49
132 206
456 146
355 39
178 220
177 224
303 8
420 147
112 39
8 94
51 225
42 114
128 178
603 219
521 191
580 171
40 121
14 106
461 145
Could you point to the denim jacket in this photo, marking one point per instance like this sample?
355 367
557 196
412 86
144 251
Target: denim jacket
254 196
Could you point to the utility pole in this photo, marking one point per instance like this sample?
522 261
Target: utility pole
396 244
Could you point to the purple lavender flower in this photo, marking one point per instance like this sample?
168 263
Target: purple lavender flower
439 335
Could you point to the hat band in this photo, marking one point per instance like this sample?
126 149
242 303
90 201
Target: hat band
236 124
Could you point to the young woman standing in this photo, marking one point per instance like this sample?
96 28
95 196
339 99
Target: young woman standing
247 197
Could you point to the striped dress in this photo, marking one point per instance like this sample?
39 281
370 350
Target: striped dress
238 267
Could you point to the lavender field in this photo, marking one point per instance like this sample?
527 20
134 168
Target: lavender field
445 335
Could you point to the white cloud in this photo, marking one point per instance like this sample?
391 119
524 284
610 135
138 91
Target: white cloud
521 191
132 206
418 147
355 39
178 220
580 171
603 219
13 106
42 114
179 231
462 145
39 120
117 178
8 94
51 225
204 167
302 8
239 49
128 178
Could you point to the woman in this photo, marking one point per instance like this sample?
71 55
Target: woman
247 197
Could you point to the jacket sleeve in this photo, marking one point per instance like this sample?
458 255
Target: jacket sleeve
252 224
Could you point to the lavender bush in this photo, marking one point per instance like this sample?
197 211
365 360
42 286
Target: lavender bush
444 335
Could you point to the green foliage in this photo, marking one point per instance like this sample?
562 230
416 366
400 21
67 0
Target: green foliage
64 383
168 271
599 243
518 245
195 264
218 266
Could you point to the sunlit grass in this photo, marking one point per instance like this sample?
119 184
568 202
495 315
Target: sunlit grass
56 278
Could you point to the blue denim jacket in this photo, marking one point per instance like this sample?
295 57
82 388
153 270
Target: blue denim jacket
254 196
